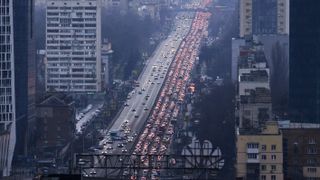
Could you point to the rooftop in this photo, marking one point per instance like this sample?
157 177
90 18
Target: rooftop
270 128
286 124
56 100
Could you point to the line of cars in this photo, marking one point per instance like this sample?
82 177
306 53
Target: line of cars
84 118
157 135
142 98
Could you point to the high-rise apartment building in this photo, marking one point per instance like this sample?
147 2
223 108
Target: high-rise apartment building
73 46
263 17
304 66
7 88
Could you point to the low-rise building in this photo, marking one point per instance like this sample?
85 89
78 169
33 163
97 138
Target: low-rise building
259 153
55 125
301 147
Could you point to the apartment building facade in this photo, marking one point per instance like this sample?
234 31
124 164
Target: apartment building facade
260 154
73 46
263 17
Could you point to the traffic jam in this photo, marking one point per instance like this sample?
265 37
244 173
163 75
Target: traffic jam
158 132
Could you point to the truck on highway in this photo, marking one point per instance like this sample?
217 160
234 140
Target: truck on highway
115 135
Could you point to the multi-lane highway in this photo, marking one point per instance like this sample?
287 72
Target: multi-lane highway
144 124
157 134
141 100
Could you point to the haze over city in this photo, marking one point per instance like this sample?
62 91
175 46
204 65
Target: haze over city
160 89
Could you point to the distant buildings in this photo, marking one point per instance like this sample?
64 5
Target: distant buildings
149 8
304 69
73 46
260 154
263 17
7 89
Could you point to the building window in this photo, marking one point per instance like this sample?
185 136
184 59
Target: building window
273 157
273 147
264 157
252 156
312 140
263 167
253 145
311 161
263 177
273 177
312 170
264 147
311 150
273 167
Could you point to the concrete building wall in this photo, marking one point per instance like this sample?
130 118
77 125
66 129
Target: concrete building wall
262 150
73 46
301 152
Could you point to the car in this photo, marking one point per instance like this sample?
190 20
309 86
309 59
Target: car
145 172
124 150
136 116
146 109
93 171
104 152
120 145
133 110
126 172
109 148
